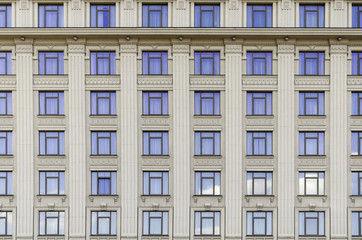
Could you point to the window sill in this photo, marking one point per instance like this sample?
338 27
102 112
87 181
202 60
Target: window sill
207 116
207 235
259 156
205 196
45 156
154 235
156 116
155 156
102 156
53 235
257 196
260 116
7 156
312 156
102 116
312 196
313 116
51 195
312 75
208 156
6 115
259 75
51 115
103 195
103 235
102 75
155 196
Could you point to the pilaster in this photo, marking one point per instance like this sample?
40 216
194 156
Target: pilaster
285 17
24 14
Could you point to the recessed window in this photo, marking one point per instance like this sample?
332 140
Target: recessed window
207 223
259 16
103 16
6 223
207 143
5 62
207 103
51 63
154 15
154 103
155 183
104 223
207 63
104 143
51 103
259 143
155 143
311 103
103 103
356 143
311 63
357 63
155 223
311 143
6 183
207 183
356 183
5 16
311 183
51 143
259 63
356 16
207 16
50 16
51 183
103 63
259 223
356 224
311 16
311 223
6 103
154 63
51 223
259 183
104 183
6 143
259 103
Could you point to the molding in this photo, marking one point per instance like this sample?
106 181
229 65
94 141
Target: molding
156 80
260 162
50 80
208 121
259 80
338 49
312 122
9 161
76 48
8 80
181 5
285 49
56 121
312 162
233 5
260 121
51 161
157 121
233 48
156 162
103 121
181 48
206 80
105 80
104 161
208 162
311 80
354 80
22 48
128 48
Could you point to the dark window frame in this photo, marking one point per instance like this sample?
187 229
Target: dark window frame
305 98
101 10
46 223
162 179
215 54
162 139
265 142
7 178
8 54
213 142
252 93
109 58
111 183
46 143
7 143
7 222
46 182
317 218
97 98
320 192
305 138
8 94
104 217
101 137
163 215
148 14
317 11
45 62
265 182
213 14
45 14
46 98
213 178
359 213
266 222
213 98
6 12
213 219
318 58
265 14
161 98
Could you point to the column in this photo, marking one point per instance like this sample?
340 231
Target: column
286 16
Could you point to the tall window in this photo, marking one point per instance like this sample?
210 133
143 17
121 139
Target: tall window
356 16
154 15
311 103
154 63
311 63
104 143
207 103
5 16
51 63
5 62
311 16
356 224
104 223
6 183
207 223
207 16
207 63
356 183
207 143
207 183
155 143
51 143
155 223
356 143
6 103
259 183
155 183
259 143
104 183
51 183
50 15
155 103
103 63
357 62
259 223
103 103
51 103
259 103
51 223
311 223
6 143
311 143
103 16
259 63
6 223
259 16
311 183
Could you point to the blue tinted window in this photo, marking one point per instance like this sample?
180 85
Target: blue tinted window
259 16
207 143
311 63
155 223
6 183
103 103
207 63
51 143
154 103
104 183
311 103
155 143
104 223
356 143
356 224
207 223
259 103
259 63
51 63
311 16
311 223
259 143
6 223
311 143
311 183
155 183
207 183
154 16
104 143
5 16
103 63
6 143
6 103
207 103
207 16
50 16
356 103
259 183
356 16
51 183
103 16
259 223
5 63
356 63
356 183
154 63
51 103
51 223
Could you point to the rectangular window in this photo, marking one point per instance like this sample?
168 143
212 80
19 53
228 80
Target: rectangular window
154 16
104 143
5 16
6 143
311 63
207 183
207 143
207 103
51 143
356 224
51 63
6 102
51 183
259 223
259 63
356 16
207 223
259 183
356 143
311 223
259 143
259 103
207 16
50 16
311 16
51 103
311 143
103 63
103 103
154 63
51 223
155 223
104 183
311 183
155 143
207 63
155 183
356 183
357 63
104 223
5 62
154 103
6 223
6 183
103 16
311 103
259 16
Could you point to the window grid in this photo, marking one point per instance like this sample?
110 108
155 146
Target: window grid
6 141
356 224
6 223
259 103
308 220
259 63
155 103
154 63
51 103
254 229
311 103
100 141
204 178
103 103
356 183
103 63
6 183
207 103
5 16
46 226
357 62
311 16
103 16
207 63
46 186
53 11
100 220
6 103
104 183
259 143
203 145
311 143
46 143
154 15
311 183
311 63
51 63
254 179
210 218
155 143
202 15
356 143
256 13
151 180
356 15
148 219
5 63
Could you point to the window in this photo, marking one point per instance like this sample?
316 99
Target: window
207 63
207 16
259 223
154 16
51 103
155 223
311 223
104 183
51 63
259 183
259 143
311 63
356 16
6 183
311 183
154 63
50 16
356 224
103 16
103 63
259 103
104 223
311 143
51 223
207 223
207 183
259 16
104 143
103 103
155 143
6 223
356 183
155 183
259 63
356 143
207 103
51 143
6 103
311 103
357 62
207 143
5 61
51 183
311 16
6 143
155 103
5 16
